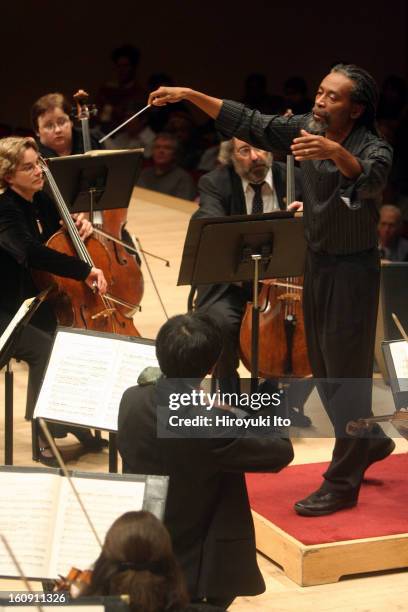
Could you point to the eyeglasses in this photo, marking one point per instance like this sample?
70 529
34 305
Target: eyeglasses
60 122
246 151
30 168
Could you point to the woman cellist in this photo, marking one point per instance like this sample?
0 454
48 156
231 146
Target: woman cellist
52 123
51 119
27 219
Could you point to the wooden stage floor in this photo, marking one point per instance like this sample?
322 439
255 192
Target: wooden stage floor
161 222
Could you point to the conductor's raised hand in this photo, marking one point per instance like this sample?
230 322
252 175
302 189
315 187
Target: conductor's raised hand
167 95
96 281
309 146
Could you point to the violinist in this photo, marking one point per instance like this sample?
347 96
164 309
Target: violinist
247 181
28 218
137 559
344 166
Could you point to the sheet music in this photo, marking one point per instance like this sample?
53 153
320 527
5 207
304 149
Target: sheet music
399 354
87 376
27 516
105 500
21 312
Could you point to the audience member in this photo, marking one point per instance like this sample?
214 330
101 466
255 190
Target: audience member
180 123
117 100
207 510
393 97
210 141
296 98
393 247
256 95
165 175
137 135
157 119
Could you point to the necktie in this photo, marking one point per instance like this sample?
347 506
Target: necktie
257 204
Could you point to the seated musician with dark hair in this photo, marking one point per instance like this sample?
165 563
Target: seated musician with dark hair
28 218
207 511
137 560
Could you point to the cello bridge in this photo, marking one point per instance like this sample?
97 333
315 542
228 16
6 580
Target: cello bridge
107 312
294 297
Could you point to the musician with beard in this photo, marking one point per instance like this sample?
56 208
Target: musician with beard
247 182
344 166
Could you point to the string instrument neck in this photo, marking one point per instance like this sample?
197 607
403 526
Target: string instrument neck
72 230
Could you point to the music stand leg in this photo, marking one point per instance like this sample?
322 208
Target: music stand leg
113 453
34 439
8 415
255 327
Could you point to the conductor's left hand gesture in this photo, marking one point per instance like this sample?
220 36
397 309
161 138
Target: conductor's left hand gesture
309 146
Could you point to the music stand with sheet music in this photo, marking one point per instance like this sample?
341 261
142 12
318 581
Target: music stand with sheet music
106 364
12 333
244 248
97 180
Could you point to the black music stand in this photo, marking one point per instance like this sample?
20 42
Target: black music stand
244 248
97 180
6 354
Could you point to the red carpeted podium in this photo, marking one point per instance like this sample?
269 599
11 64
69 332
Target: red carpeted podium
373 536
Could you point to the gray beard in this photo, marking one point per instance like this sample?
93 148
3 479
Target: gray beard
254 175
317 127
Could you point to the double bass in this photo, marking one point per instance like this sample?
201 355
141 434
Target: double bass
282 342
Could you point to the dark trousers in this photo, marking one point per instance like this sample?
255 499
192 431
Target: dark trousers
33 347
228 311
340 300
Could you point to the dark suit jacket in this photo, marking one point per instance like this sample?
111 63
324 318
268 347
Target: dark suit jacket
207 511
221 195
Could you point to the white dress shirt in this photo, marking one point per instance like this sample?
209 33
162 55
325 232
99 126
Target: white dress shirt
269 197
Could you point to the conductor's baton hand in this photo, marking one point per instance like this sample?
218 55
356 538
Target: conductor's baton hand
165 95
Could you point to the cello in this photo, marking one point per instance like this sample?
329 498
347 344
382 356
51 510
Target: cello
109 226
282 342
76 304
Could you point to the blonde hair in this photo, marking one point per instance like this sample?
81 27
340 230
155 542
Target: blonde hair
11 152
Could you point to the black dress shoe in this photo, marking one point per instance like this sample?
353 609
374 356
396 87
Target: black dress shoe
320 503
379 449
90 443
95 445
298 419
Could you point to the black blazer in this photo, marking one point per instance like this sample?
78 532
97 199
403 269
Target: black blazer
22 249
207 511
221 195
